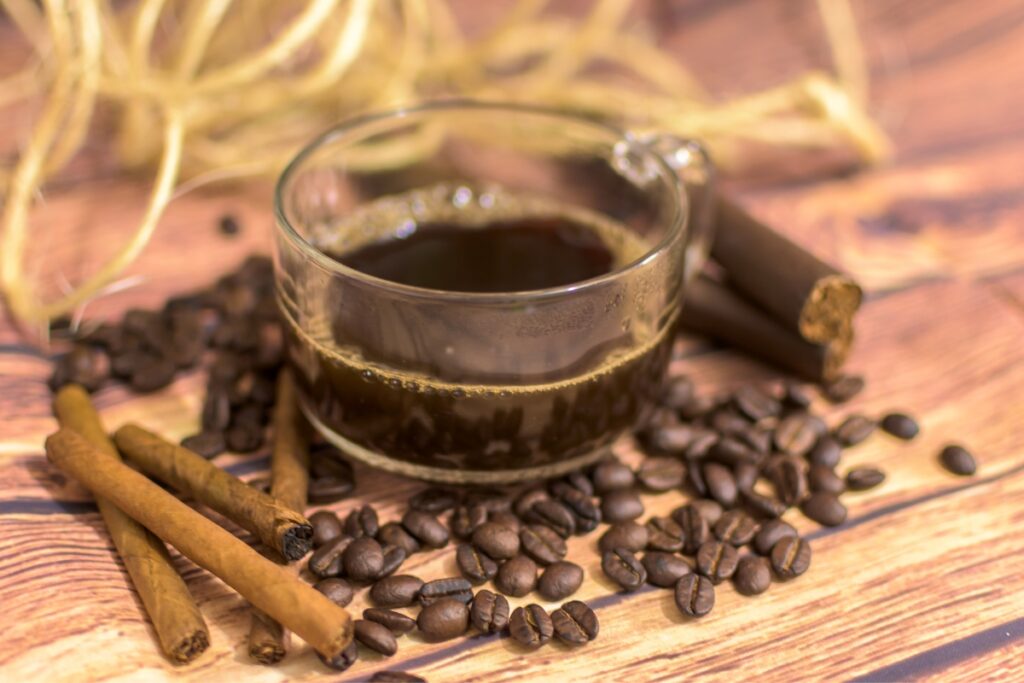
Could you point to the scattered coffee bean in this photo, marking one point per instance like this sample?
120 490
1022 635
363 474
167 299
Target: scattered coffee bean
152 373
844 388
496 541
396 591
796 395
425 528
772 532
491 499
958 460
727 422
701 445
853 430
326 527
797 433
612 475
553 515
587 515
343 660
757 439
664 569
466 519
244 438
363 559
663 533
581 482
338 591
434 500
574 623
753 575
745 474
679 392
825 480
695 527
326 561
475 565
394 556
375 636
443 619
762 505
455 588
324 490
671 439
395 677
736 527
541 544
396 622
900 425
506 518
826 452
661 474
825 509
789 476
622 567
527 498
560 580
864 478
516 577
755 404
790 557
628 535
710 510
216 415
530 626
489 612
717 560
621 505
394 534
207 444
721 484
362 522
695 477
83 365
694 595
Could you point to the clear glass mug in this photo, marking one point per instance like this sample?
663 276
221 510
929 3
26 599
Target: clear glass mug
484 387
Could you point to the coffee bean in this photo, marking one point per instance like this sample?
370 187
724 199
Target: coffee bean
612 475
425 528
497 541
516 577
465 519
396 622
443 620
152 373
530 626
721 484
736 527
207 444
663 533
695 477
864 478
622 505
560 580
338 591
727 421
490 498
628 535
456 588
797 433
394 534
362 522
434 500
622 567
826 452
489 612
396 591
671 439
694 595
661 474
324 490
762 505
844 388
506 518
541 543
757 439
394 556
824 479
900 425
326 527
755 404
244 438
553 515
825 509
745 474
343 660
216 415
717 560
701 445
679 392
395 677
579 481
753 575
326 560
772 532
796 396
574 623
363 559
789 475
587 515
527 498
958 460
708 509
664 569
790 557
475 565
375 636
853 430
695 528
83 365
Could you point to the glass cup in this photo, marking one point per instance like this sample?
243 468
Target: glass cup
485 387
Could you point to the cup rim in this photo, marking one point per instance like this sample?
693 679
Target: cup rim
349 127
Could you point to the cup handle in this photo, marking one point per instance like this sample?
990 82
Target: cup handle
692 164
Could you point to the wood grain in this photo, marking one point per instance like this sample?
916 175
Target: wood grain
920 583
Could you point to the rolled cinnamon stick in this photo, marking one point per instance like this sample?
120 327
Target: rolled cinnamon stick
798 289
174 614
717 311
280 528
270 587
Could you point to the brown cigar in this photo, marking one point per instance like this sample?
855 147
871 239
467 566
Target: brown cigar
280 528
175 617
270 587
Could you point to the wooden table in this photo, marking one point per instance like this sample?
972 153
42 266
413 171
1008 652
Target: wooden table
922 581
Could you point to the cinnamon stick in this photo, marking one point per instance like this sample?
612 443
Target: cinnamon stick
805 294
270 587
174 614
717 311
280 528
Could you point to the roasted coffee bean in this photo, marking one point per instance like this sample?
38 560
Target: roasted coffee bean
516 577
694 595
790 557
542 544
762 505
489 612
622 567
492 499
434 500
736 527
621 505
663 533
727 422
612 475
363 559
796 434
396 677
324 490
466 519
679 391
843 388
695 528
475 565
853 430
338 591
826 452
396 622
396 591
587 515
631 536
755 404
530 626
343 660
661 474
207 444
553 515
671 439
745 474
425 528
717 560
757 439
708 509
795 395
695 477
664 569
244 438
362 522
864 478
824 479
497 541
216 415
825 509
772 532
575 623
456 588
326 560
560 580
250 415
789 477
731 451
527 498
900 425
152 373
721 484
326 527
394 556
443 620
375 636
958 460
698 407
753 575
506 518
701 445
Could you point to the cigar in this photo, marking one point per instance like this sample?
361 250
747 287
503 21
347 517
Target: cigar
270 587
805 294
289 481
174 614
717 311
278 527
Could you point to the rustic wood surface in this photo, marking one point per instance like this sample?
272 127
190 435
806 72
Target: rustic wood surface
922 582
